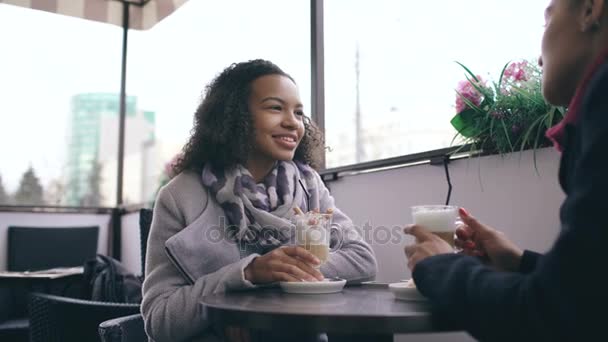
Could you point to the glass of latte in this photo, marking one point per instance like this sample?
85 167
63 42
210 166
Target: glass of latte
313 234
440 220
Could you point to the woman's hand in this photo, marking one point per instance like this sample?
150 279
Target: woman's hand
283 264
427 244
491 245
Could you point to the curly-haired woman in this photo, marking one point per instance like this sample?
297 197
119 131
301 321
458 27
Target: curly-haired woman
224 222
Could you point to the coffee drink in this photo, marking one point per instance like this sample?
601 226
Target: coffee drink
321 251
446 236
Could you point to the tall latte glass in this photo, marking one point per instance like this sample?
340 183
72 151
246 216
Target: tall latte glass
313 234
440 220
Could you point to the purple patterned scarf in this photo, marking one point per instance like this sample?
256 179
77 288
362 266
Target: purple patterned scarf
260 212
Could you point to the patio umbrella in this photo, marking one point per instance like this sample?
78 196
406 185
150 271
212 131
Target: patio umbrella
143 14
129 14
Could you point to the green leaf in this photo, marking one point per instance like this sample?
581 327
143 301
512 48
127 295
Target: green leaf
475 84
535 147
507 135
492 126
464 124
526 138
527 95
468 71
470 104
502 73
454 138
549 117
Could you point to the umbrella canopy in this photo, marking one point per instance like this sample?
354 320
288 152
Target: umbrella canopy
143 14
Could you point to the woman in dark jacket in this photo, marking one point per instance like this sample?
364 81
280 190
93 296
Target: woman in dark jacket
498 292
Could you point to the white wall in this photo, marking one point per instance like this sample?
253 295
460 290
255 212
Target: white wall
505 192
52 220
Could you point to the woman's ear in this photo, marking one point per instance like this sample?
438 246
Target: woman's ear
592 14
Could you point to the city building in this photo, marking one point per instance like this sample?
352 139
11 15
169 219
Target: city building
93 145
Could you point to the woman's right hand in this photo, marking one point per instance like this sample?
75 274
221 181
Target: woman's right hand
283 264
491 245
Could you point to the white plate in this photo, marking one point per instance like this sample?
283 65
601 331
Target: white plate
401 291
313 287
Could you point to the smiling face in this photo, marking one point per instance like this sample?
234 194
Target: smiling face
569 46
277 114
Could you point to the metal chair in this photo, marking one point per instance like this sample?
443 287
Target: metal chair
36 248
130 328
63 319
145 221
123 329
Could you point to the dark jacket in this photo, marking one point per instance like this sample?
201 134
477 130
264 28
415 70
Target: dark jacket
561 296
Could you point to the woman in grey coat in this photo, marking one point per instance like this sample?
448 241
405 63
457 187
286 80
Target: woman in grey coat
224 222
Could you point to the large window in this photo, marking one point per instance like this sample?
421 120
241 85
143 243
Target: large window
170 64
389 65
390 68
59 80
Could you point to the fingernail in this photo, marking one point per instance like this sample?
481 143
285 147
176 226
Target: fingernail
408 228
463 212
316 260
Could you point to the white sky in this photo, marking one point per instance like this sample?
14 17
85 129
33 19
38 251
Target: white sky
408 49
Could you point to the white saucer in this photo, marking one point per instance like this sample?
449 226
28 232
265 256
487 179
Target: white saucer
401 291
313 287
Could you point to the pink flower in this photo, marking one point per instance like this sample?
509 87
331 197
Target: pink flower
517 71
466 90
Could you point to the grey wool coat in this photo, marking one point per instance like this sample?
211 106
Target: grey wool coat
188 257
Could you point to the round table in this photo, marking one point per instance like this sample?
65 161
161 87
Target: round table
355 310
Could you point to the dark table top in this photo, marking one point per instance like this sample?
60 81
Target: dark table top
357 309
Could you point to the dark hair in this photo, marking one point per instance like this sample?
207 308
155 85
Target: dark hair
576 3
223 126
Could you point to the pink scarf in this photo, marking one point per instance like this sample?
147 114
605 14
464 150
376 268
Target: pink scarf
556 133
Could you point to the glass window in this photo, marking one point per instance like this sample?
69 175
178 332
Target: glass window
170 64
390 66
57 73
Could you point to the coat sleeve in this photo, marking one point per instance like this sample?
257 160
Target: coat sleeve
529 260
564 297
353 258
171 304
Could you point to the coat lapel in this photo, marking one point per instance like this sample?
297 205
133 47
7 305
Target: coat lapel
202 247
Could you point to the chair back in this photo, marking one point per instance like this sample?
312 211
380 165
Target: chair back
63 319
145 221
38 248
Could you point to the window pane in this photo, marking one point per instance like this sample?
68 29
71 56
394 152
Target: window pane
170 64
59 82
405 53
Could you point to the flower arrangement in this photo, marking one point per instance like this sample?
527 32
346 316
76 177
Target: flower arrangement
507 115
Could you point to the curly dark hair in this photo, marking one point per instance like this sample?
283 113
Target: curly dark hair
223 125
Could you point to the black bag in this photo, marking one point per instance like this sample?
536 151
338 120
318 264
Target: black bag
107 280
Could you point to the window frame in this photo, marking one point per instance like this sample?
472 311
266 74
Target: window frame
433 157
317 60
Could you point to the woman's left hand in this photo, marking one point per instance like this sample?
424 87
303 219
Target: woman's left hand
427 244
